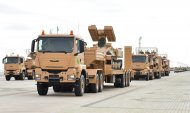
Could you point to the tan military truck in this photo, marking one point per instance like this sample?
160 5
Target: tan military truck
14 67
152 66
141 64
30 68
106 58
165 64
64 62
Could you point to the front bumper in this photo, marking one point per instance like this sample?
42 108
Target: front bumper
68 76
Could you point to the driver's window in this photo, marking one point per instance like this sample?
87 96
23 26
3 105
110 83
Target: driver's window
40 45
21 60
78 46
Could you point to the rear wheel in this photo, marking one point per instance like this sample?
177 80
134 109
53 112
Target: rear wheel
117 81
155 75
128 80
42 88
123 81
101 83
7 78
95 87
159 75
151 77
80 86
147 77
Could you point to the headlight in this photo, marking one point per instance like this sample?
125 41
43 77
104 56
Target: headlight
37 77
71 77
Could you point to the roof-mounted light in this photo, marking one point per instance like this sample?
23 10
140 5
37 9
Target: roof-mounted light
71 32
43 32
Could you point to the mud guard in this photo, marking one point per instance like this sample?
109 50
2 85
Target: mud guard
92 74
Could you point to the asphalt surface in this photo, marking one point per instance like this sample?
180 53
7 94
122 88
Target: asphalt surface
170 94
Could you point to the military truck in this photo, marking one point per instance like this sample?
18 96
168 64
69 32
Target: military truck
106 58
30 68
165 64
146 63
14 67
64 62
141 64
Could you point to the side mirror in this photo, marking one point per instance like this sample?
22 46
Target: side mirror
3 61
33 45
81 46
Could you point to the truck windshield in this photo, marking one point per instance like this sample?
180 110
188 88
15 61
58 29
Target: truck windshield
56 44
141 59
11 60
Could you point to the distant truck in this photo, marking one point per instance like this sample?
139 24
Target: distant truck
64 62
165 64
14 67
147 64
141 67
30 68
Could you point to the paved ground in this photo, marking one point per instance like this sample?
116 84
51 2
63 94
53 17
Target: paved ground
167 95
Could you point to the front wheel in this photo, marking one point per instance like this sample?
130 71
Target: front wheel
42 88
7 78
80 86
22 76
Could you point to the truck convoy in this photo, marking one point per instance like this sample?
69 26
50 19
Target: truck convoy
14 67
64 62
148 64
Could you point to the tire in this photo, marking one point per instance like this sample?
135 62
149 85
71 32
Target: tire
123 81
128 80
117 82
147 77
42 88
155 75
101 83
159 75
7 78
56 88
22 76
80 86
151 77
95 87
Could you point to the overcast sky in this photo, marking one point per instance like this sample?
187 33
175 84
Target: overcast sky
164 24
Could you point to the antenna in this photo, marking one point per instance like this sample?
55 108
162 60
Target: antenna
57 29
140 42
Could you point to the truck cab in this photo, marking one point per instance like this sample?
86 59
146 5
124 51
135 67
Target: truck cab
59 62
14 67
141 67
